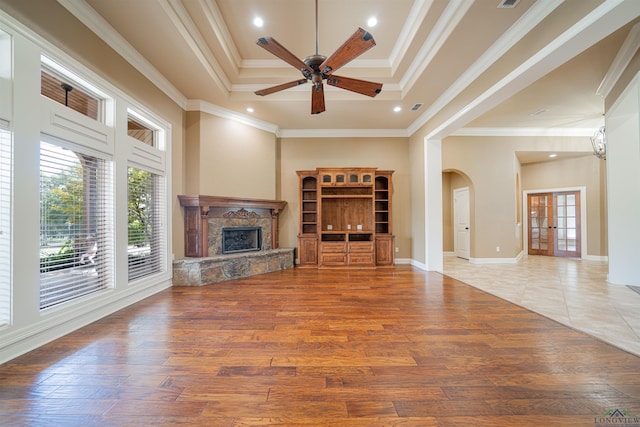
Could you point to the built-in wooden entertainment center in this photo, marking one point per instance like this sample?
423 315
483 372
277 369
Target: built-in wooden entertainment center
345 218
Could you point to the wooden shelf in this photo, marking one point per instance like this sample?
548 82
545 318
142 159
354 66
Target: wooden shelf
345 218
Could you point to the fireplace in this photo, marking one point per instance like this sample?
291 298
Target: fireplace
241 239
250 230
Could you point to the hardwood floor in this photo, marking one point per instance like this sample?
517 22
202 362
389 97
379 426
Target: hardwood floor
322 348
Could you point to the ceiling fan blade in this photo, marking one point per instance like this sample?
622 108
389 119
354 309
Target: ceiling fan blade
278 88
355 85
356 45
271 45
317 99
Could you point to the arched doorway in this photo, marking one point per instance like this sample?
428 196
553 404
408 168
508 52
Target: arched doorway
457 214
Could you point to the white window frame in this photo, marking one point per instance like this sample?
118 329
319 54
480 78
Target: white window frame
152 159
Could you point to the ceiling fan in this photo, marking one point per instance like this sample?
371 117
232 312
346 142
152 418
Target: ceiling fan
317 68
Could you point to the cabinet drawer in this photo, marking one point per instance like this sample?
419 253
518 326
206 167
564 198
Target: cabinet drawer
334 259
334 247
361 259
361 247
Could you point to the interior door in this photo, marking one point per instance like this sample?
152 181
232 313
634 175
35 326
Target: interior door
540 208
554 224
462 234
567 224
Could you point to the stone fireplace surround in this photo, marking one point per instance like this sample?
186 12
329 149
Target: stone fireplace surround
204 219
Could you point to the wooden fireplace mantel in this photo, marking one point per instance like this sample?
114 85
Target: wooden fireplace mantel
196 212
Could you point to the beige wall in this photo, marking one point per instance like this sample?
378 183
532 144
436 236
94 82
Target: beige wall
228 158
382 153
577 172
492 168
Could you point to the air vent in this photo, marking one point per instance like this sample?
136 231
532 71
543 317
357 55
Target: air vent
508 4
416 107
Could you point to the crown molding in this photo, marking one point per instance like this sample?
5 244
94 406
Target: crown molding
216 20
96 23
343 133
187 29
452 15
408 33
586 132
623 58
278 63
206 107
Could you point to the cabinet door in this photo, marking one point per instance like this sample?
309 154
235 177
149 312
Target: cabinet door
339 178
366 178
384 250
307 251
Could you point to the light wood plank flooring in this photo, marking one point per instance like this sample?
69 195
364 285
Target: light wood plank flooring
392 347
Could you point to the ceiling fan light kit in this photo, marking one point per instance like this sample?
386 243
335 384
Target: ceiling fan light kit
318 68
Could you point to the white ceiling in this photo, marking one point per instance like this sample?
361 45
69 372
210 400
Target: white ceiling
470 63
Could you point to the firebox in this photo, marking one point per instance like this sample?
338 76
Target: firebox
241 239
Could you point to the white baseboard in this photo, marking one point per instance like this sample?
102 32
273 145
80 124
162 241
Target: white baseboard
596 258
493 260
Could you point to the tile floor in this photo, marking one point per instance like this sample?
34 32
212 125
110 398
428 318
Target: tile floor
571 291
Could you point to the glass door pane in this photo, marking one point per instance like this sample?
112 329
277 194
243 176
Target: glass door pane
539 231
567 220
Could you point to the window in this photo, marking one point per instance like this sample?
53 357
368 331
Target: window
6 77
75 223
146 223
6 155
68 95
140 131
5 226
69 89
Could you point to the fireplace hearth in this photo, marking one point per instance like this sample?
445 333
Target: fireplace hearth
241 239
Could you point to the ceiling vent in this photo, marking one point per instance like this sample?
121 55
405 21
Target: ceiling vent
508 4
416 107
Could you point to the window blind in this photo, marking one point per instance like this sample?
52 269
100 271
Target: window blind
76 256
146 222
5 226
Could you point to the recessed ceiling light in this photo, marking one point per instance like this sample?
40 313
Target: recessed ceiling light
250 109
372 22
397 109
552 155
258 22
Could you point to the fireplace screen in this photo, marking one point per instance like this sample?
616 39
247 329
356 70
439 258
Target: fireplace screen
241 239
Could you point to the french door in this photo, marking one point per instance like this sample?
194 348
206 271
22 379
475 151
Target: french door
554 224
